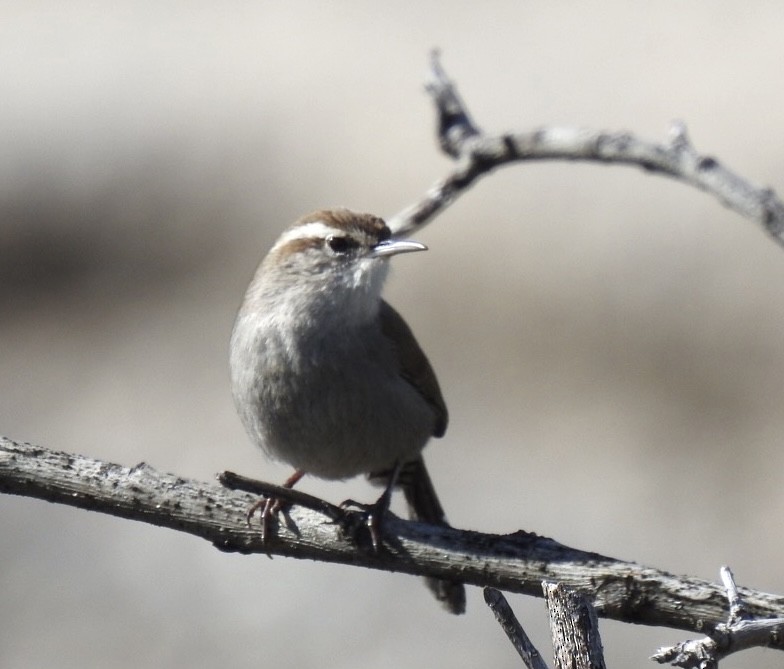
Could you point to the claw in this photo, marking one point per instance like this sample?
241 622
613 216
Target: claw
372 517
375 513
271 507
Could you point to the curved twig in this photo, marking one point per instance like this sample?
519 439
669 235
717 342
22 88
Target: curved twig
477 154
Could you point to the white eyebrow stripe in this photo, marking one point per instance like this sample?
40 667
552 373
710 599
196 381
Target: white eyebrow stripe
315 229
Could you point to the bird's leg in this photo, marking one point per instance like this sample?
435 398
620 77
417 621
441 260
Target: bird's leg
271 506
374 513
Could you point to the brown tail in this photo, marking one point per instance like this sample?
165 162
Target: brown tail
423 506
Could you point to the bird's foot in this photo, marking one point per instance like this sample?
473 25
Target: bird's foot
373 514
372 518
270 508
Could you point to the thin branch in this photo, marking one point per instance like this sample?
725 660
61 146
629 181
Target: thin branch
517 562
478 154
739 633
514 631
455 126
737 607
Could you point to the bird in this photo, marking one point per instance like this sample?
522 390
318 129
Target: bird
328 377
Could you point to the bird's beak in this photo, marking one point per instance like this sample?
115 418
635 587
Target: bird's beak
395 246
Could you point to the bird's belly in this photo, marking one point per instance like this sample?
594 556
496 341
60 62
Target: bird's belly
337 426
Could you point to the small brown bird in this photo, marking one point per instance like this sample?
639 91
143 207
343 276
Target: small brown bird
327 376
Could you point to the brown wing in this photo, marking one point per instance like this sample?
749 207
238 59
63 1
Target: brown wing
414 480
414 365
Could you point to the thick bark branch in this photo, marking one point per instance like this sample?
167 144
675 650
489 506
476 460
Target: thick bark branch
574 628
517 562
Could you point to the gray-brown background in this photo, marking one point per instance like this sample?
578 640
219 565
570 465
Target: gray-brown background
609 343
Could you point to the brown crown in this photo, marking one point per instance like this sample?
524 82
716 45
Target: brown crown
349 221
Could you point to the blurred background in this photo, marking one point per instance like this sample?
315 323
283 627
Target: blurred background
609 342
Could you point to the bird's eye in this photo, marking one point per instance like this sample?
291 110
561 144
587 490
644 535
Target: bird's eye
341 244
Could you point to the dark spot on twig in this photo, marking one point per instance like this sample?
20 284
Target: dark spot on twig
707 163
621 141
